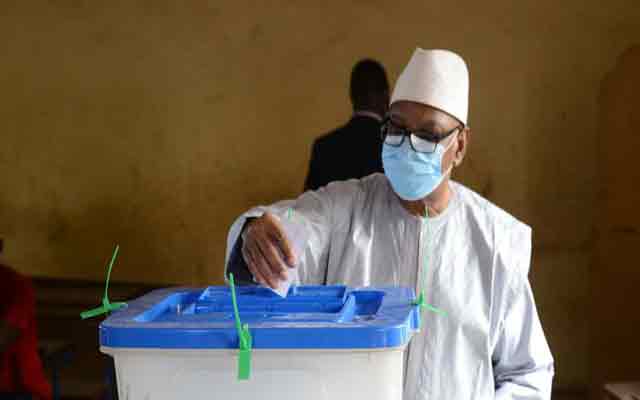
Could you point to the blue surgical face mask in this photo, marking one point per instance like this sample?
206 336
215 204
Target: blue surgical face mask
414 175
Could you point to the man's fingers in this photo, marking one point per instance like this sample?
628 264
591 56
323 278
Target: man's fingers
251 264
259 278
263 266
260 264
271 256
287 250
284 245
268 250
245 254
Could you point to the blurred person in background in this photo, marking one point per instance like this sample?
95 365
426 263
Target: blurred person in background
21 372
353 150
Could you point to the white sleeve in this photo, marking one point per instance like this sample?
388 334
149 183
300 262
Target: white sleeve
317 211
522 360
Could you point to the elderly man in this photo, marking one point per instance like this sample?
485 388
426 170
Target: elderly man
415 227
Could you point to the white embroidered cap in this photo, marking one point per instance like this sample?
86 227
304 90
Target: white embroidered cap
437 78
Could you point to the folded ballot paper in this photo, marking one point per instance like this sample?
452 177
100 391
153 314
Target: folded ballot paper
297 235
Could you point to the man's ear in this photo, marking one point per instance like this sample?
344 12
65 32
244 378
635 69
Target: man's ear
464 139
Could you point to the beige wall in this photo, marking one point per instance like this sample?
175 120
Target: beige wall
154 123
615 275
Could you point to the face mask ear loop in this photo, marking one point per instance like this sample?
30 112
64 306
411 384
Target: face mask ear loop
455 138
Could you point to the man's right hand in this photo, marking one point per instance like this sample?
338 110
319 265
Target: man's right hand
267 251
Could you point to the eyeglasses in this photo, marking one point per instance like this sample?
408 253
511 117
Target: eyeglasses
421 142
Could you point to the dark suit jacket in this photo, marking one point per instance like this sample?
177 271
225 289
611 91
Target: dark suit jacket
352 151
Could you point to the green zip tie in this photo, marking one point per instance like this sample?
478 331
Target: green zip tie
106 306
244 336
420 301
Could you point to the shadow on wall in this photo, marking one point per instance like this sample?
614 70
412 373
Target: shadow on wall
87 238
77 243
615 320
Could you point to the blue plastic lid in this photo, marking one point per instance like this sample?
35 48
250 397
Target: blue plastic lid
310 317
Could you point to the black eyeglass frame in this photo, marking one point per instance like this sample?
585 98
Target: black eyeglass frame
434 138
